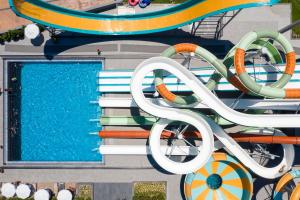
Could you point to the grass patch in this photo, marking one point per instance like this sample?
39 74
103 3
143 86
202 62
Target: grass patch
149 191
85 192
295 15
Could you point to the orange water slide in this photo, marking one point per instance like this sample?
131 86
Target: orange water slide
239 137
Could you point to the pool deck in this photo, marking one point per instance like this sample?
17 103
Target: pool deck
126 53
8 20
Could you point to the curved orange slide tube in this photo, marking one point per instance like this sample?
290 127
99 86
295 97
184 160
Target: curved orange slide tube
239 137
296 193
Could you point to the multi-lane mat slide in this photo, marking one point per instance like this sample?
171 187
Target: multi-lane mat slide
193 10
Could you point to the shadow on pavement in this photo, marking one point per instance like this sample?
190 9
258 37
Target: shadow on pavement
67 40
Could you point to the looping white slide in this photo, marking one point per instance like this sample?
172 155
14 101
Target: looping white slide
205 126
207 97
196 163
234 148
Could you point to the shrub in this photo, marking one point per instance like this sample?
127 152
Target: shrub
6 36
41 27
15 35
1 40
20 33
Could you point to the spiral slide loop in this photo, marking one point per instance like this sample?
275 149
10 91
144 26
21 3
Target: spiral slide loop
229 143
222 177
186 167
283 182
204 124
233 147
267 91
167 64
221 68
159 84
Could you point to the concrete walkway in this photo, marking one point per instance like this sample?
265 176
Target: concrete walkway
8 19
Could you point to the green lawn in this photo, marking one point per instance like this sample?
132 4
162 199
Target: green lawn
149 191
295 15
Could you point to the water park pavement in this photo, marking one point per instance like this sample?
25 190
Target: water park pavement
8 20
126 53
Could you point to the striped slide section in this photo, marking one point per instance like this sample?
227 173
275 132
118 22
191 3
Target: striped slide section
257 104
142 120
275 90
221 68
283 181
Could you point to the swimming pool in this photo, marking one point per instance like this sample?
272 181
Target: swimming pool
55 111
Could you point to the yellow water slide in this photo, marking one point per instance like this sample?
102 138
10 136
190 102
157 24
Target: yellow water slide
77 21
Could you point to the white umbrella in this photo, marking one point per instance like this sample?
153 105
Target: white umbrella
41 194
64 195
23 191
32 31
8 190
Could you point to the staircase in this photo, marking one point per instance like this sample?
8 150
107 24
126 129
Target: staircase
212 27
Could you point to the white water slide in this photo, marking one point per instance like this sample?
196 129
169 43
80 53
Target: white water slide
207 127
257 104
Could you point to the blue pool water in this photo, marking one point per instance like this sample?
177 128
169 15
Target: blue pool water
56 111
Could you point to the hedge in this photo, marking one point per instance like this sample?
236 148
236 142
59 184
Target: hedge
15 35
